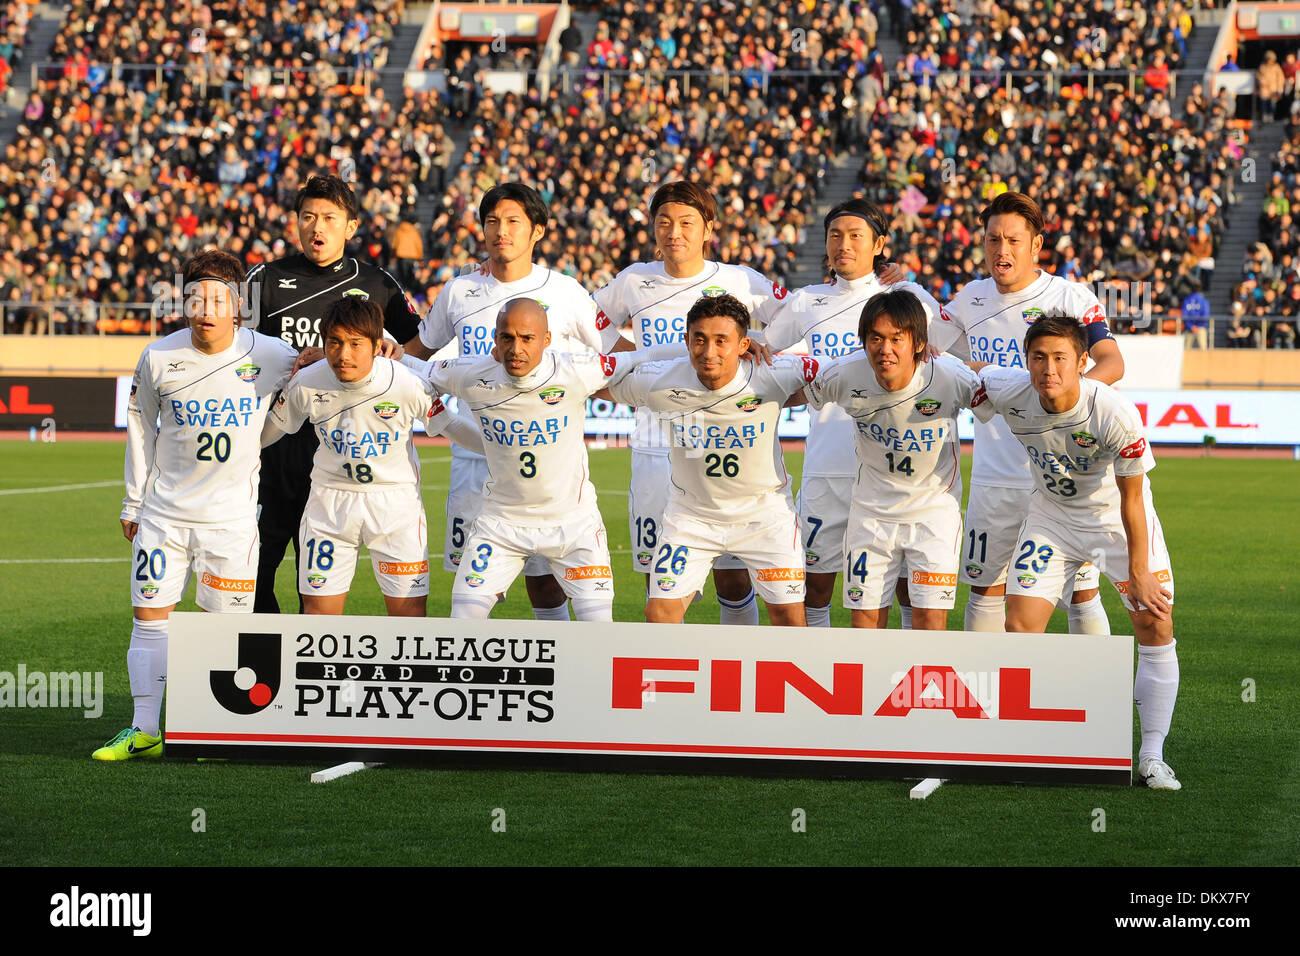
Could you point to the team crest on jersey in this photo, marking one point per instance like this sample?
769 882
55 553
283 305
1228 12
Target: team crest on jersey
551 396
811 558
316 580
149 591
1032 315
643 557
1083 439
855 593
749 403
361 294
928 406
248 373
666 583
474 580
454 557
1027 580
973 570
713 291
386 410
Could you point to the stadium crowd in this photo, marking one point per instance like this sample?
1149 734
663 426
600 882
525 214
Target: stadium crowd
118 172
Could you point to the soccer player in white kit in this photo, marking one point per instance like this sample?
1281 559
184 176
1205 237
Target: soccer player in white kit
365 478
528 403
985 322
514 218
193 429
906 501
654 298
826 318
1091 502
729 492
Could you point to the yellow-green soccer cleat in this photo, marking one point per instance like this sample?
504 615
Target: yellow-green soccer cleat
130 743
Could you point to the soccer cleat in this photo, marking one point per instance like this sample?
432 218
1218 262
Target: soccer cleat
1158 775
130 743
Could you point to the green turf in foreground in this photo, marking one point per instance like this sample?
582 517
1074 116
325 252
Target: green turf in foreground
1231 529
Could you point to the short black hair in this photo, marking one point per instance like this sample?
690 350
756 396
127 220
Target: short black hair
708 306
528 197
863 209
212 264
902 308
1061 325
332 188
355 313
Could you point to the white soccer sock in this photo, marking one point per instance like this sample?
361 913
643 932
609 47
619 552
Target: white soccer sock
818 616
588 610
905 610
559 613
744 611
472 610
1155 690
1088 617
986 612
146 667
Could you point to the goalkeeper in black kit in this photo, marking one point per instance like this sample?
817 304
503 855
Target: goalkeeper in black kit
290 296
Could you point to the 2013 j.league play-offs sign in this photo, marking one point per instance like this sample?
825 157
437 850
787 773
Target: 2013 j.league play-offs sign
688 697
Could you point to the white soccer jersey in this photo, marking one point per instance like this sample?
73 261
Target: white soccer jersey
981 324
725 455
466 311
825 317
907 446
1074 456
656 304
532 429
198 466
364 427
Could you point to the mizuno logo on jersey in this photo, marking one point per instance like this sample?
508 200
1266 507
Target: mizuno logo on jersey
471 293
977 300
482 383
678 392
647 283
175 366
819 301
1016 412
320 397
288 283
859 393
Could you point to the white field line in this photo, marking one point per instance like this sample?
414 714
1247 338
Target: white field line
37 491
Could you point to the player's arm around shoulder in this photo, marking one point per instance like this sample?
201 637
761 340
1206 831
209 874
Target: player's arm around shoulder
1108 366
995 381
794 373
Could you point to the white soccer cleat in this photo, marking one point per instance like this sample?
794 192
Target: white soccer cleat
1158 775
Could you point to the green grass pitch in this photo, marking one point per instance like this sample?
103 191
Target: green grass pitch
1231 526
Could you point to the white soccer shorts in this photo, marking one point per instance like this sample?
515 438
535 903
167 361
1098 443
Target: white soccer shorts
224 559
464 501
823 506
390 523
879 551
993 519
647 497
766 542
1048 554
577 553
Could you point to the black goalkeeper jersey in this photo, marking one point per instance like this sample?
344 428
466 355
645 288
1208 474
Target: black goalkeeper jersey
290 296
